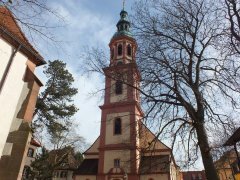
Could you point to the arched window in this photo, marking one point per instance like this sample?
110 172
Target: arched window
129 50
112 53
118 87
118 126
119 49
121 27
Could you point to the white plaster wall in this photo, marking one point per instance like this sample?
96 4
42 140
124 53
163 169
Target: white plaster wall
16 122
85 177
123 155
11 90
173 172
121 138
7 149
5 50
154 177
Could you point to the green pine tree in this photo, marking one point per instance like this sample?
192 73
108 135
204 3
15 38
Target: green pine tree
55 106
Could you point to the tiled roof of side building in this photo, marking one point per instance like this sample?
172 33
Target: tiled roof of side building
155 164
64 157
9 26
88 167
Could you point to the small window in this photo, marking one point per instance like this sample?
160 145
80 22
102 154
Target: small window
118 87
129 50
119 50
63 174
112 53
117 126
30 152
116 163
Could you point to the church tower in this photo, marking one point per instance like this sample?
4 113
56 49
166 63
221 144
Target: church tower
126 149
121 111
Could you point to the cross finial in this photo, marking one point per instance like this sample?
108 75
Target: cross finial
123 4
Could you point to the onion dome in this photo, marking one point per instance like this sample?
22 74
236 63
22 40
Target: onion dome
123 25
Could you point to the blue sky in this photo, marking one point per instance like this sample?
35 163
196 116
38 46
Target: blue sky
86 23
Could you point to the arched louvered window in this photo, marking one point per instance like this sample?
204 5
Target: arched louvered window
112 53
129 50
118 87
118 126
119 49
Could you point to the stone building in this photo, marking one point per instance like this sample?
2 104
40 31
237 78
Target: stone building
126 148
66 163
19 89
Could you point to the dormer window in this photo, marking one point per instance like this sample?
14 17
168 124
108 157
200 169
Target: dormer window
119 50
129 50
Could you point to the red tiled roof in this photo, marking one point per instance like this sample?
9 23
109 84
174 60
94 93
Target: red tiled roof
88 167
63 158
155 164
35 143
233 139
9 26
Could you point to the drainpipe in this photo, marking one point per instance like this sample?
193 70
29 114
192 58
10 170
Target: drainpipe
4 77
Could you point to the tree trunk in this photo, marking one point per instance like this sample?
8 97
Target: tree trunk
211 173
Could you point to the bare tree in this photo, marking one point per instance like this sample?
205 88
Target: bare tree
188 86
233 15
36 18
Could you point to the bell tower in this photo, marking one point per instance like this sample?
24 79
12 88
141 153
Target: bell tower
124 149
121 111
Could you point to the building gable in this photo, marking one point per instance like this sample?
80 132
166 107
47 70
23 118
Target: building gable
93 149
149 142
12 33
